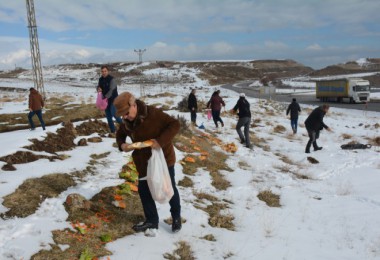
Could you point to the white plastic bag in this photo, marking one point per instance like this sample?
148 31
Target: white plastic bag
158 177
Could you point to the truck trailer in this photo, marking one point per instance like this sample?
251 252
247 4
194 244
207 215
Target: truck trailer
355 90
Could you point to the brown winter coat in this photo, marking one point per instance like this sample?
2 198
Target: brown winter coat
150 123
36 101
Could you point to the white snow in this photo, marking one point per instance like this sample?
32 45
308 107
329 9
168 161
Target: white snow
332 215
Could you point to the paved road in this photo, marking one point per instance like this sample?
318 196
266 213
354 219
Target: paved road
302 99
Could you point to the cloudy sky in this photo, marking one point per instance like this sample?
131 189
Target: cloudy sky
316 33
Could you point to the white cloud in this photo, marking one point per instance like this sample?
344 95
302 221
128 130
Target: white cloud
16 57
59 53
193 15
314 47
159 45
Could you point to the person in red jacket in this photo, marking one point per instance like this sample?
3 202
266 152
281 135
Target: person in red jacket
216 103
36 103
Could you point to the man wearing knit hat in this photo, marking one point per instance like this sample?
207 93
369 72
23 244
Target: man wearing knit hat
244 119
141 123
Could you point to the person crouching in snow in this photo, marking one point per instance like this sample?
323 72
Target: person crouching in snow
193 106
36 103
244 119
142 122
314 124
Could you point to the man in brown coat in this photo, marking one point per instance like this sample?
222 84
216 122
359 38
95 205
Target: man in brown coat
36 103
142 122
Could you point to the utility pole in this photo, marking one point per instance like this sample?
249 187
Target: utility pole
35 48
140 53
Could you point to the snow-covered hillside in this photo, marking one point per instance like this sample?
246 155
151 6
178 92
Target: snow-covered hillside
328 210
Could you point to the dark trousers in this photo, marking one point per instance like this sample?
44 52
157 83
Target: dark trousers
110 113
39 115
293 123
244 121
216 117
193 116
313 136
149 205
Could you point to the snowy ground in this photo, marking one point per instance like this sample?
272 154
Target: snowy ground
331 215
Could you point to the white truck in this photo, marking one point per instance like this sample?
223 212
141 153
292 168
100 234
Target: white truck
356 90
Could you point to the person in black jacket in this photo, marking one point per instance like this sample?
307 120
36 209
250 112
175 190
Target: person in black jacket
244 119
193 106
314 124
108 87
294 109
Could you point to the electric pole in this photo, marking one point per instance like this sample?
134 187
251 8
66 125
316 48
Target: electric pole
140 53
35 48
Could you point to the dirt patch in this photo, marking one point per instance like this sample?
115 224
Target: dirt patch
209 237
346 136
279 129
271 199
186 182
216 217
29 195
58 110
201 154
92 126
102 223
8 167
312 160
183 251
26 157
63 140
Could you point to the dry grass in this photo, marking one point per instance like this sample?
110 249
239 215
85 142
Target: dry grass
63 140
284 168
182 252
56 108
346 136
219 181
243 165
215 161
259 142
279 129
102 218
216 218
25 200
186 182
271 199
26 157
209 237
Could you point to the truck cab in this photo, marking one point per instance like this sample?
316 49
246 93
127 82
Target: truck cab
360 91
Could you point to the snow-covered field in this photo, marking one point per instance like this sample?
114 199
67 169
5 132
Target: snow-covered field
334 214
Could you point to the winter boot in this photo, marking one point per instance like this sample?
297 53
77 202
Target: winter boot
176 225
142 226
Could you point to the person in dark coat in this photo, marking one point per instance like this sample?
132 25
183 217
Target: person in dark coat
108 87
216 103
294 109
244 114
36 103
141 123
193 106
314 124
